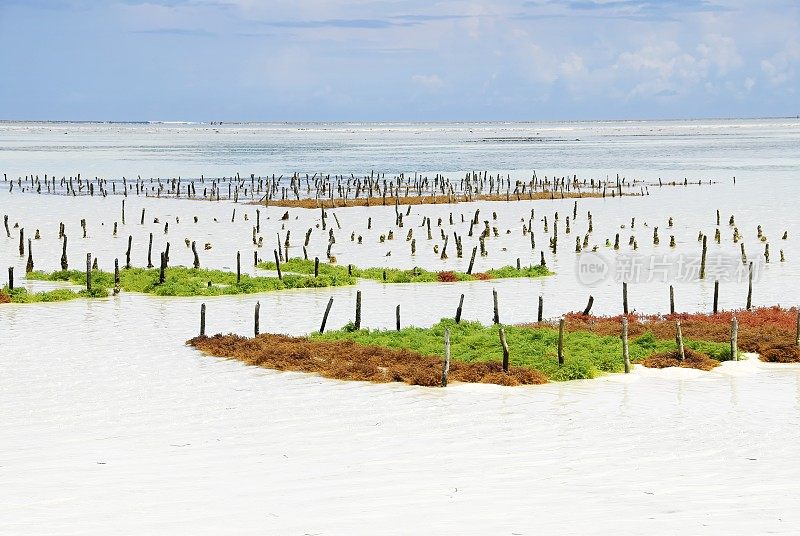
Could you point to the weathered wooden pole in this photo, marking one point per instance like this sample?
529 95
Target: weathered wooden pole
238 267
150 252
202 319
316 267
625 297
278 264
89 272
588 308
541 309
446 367
703 258
750 287
162 268
716 296
29 264
734 338
256 319
64 264
357 323
671 300
496 317
10 278
325 316
397 317
196 262
625 354
504 344
561 341
472 260
116 277
128 252
679 340
461 305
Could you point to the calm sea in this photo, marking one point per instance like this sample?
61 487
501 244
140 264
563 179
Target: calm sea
767 148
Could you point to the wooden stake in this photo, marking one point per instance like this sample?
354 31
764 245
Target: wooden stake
716 296
325 316
561 342
446 367
29 264
89 272
150 252
588 306
256 319
358 310
278 264
64 264
541 309
625 355
162 267
397 316
202 319
496 308
671 300
734 338
679 340
505 349
703 258
461 305
625 298
750 287
196 262
472 260
116 277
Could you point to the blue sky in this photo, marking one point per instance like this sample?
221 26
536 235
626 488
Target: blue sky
204 60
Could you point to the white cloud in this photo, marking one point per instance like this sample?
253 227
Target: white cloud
720 51
780 67
428 81
572 66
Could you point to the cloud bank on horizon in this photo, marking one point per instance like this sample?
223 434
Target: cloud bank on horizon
204 60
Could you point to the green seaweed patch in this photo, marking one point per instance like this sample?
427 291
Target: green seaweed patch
23 295
398 275
182 281
586 355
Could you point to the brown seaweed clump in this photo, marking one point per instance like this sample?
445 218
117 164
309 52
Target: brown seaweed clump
346 360
786 353
760 329
439 199
694 359
4 298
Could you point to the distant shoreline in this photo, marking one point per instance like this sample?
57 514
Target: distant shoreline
379 122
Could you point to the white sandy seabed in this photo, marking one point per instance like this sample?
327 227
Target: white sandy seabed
109 424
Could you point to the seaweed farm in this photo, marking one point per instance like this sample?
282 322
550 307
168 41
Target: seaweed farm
190 343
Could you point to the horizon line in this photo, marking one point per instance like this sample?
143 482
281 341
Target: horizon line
215 122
